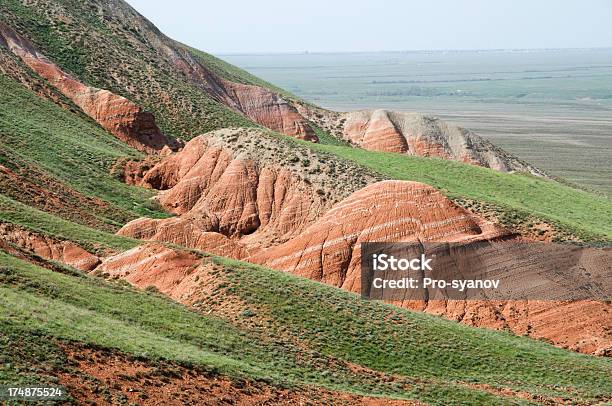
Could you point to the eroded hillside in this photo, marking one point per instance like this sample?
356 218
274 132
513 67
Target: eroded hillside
186 95
98 192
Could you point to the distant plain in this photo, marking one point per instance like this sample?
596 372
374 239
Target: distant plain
552 108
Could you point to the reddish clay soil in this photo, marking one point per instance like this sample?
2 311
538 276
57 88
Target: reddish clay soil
268 109
389 211
115 113
29 185
120 379
328 250
48 248
227 205
416 134
582 326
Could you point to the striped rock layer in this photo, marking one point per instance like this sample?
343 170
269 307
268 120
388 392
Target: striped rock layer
227 205
419 135
48 248
267 109
388 211
263 214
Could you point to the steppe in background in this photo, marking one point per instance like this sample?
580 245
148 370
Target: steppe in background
552 108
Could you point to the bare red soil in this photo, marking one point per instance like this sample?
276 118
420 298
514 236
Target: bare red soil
115 378
115 113
48 248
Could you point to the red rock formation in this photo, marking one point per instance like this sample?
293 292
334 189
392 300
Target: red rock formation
240 208
329 250
582 325
377 133
62 251
253 206
257 103
227 205
171 271
115 113
268 109
419 135
197 231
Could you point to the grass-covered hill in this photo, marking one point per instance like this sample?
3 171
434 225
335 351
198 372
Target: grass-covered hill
290 333
50 149
515 199
88 38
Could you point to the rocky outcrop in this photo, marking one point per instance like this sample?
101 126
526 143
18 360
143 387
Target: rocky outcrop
581 325
240 190
393 211
237 196
236 205
377 133
171 271
389 211
122 118
420 135
259 104
48 248
231 204
225 203
196 231
268 109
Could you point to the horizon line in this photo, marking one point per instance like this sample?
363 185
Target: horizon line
307 52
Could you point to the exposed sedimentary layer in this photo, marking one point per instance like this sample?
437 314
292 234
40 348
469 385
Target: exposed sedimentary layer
328 249
268 109
238 190
389 211
122 118
421 135
259 104
48 248
581 326
171 271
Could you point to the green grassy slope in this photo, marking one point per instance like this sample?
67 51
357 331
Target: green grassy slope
70 149
314 334
311 334
87 39
40 222
584 214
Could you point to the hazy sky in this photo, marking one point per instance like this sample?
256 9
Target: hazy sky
237 26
